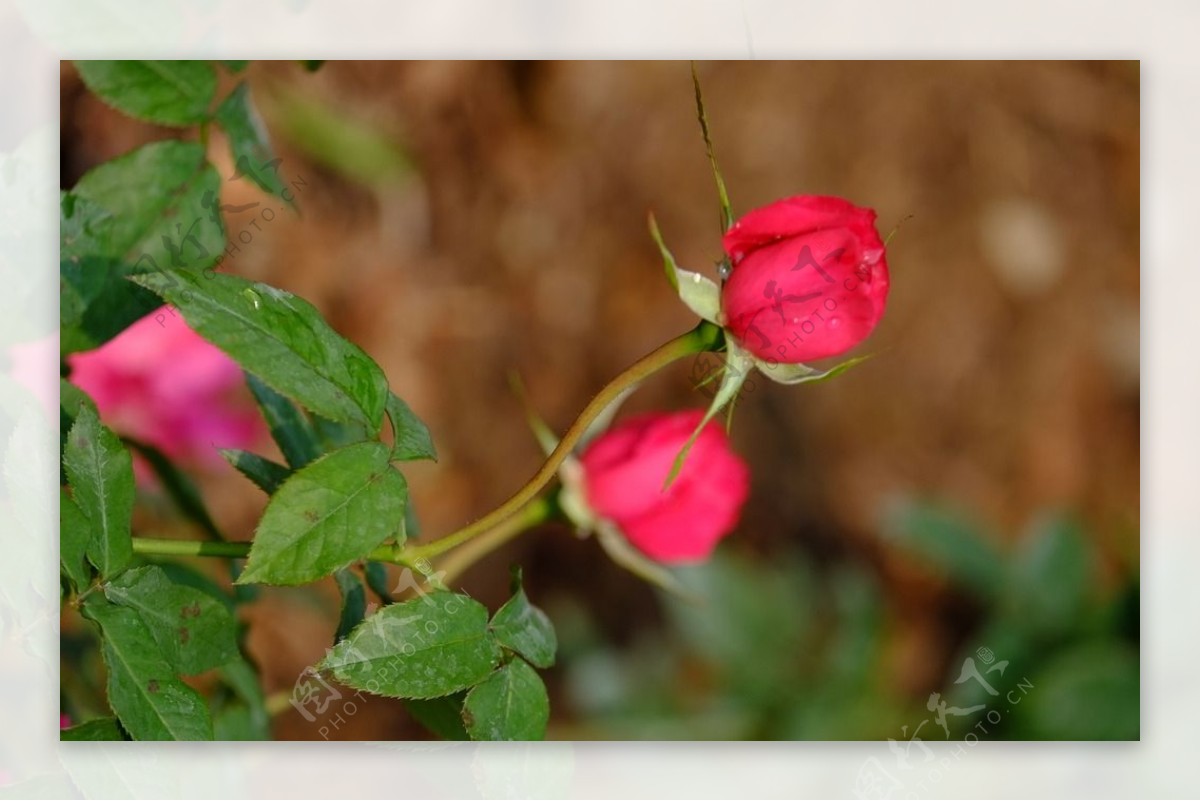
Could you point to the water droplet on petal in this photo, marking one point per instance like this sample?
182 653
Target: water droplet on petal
834 322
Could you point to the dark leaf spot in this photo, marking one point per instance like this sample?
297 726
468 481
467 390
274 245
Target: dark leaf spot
152 686
184 634
192 610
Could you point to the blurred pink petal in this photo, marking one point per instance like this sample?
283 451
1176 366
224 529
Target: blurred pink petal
35 366
163 384
624 470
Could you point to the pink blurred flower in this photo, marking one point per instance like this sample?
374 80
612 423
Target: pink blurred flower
624 470
161 383
34 365
64 721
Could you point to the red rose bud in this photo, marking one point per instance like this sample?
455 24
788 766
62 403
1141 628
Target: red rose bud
809 279
623 472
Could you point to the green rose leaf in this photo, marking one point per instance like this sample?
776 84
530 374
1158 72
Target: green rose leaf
291 430
510 705
236 722
95 303
74 534
165 92
442 716
194 630
178 486
70 399
246 716
522 627
265 474
161 202
427 647
101 475
196 578
248 140
412 439
354 603
85 228
327 514
412 526
333 435
92 730
376 574
147 211
281 339
149 699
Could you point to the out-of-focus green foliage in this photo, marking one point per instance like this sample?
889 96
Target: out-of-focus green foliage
350 147
779 650
774 652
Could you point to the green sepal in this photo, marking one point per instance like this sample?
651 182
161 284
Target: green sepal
738 364
625 555
726 211
792 374
699 293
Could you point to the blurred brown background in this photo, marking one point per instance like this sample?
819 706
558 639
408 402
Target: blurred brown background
460 220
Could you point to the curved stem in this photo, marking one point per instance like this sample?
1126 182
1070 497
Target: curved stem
496 524
228 550
705 336
458 562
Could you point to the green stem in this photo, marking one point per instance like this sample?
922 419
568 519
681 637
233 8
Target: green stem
228 550
161 547
504 522
532 515
705 336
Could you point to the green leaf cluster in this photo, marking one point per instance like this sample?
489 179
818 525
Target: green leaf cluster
460 673
154 628
146 228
